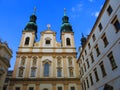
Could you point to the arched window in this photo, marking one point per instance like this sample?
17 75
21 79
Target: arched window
46 69
68 41
27 41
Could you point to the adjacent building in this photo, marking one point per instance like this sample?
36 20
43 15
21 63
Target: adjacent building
5 56
46 64
7 80
99 60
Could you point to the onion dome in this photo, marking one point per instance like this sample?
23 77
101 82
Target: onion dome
31 25
83 40
66 27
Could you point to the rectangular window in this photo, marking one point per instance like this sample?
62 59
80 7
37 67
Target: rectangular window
97 50
33 72
102 69
92 58
91 79
96 75
93 37
84 67
88 65
59 72
46 69
59 88
17 88
105 41
109 10
72 88
100 26
116 23
87 82
89 46
112 61
31 88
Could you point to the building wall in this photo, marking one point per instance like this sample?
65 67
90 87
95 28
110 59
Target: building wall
45 53
5 56
108 30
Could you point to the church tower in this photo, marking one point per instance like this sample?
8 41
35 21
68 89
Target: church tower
46 64
67 34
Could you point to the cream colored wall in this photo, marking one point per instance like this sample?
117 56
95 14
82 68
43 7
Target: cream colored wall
47 54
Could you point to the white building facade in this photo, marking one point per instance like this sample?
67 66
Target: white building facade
99 60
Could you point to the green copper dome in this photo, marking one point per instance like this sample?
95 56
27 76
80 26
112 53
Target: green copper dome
31 25
66 27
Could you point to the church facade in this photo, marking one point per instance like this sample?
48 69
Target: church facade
46 64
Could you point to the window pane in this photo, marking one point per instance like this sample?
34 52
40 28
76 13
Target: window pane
33 71
59 72
46 69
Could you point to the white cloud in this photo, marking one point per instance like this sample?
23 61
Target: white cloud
75 10
95 14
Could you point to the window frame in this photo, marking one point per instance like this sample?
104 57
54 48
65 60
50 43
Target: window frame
105 40
27 41
46 69
100 26
101 64
68 42
112 60
97 50
115 19
96 75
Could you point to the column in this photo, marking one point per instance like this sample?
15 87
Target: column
54 66
65 66
27 70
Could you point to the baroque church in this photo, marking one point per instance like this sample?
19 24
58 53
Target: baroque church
46 64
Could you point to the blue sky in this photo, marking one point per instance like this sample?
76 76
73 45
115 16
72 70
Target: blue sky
14 15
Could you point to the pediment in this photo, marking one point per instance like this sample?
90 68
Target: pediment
48 32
